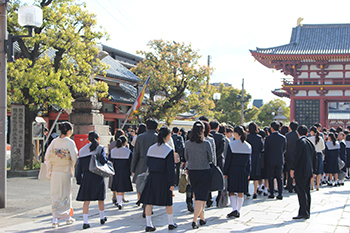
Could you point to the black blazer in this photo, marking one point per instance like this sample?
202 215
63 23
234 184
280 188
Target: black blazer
219 144
275 146
292 138
305 158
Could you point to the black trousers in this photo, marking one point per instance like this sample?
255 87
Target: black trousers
275 171
177 173
304 197
288 165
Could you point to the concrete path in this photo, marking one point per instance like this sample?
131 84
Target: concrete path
29 210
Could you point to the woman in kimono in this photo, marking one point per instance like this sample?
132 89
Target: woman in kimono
61 157
255 140
121 158
332 153
92 186
237 170
160 180
320 146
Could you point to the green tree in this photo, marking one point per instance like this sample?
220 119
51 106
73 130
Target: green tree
265 117
177 84
228 108
58 64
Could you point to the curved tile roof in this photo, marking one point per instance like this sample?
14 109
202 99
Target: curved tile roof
116 70
315 39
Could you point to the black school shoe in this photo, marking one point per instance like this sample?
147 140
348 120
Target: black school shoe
233 214
194 225
102 221
86 226
172 226
202 222
150 229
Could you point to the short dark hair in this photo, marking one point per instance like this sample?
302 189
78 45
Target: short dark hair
302 130
222 129
229 129
284 130
339 129
175 129
275 125
214 124
203 118
252 127
151 124
118 133
293 125
318 125
142 128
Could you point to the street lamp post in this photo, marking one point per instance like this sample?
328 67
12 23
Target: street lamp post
28 16
243 100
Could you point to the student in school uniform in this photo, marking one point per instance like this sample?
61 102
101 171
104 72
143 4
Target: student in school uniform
161 179
121 158
92 186
332 153
237 169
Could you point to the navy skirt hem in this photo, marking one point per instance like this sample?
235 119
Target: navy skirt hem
200 183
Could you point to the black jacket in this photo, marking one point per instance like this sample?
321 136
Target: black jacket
275 146
305 158
292 138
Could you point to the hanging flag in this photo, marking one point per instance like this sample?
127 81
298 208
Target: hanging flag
138 101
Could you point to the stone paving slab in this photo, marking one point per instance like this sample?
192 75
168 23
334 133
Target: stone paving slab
330 212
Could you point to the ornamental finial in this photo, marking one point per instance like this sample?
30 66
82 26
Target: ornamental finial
299 21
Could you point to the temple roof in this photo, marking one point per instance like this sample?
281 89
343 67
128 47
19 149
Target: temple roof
116 70
314 39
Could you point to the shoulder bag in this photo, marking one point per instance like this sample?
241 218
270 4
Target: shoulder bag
95 166
216 179
183 181
43 172
141 181
223 199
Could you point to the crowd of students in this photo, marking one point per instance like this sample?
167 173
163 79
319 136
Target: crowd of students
263 156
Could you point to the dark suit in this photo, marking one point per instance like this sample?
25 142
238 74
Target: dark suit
220 147
179 148
275 146
292 138
305 161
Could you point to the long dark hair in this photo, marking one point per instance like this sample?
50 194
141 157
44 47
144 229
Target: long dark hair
64 127
142 129
239 129
93 136
331 135
317 136
164 131
197 134
120 141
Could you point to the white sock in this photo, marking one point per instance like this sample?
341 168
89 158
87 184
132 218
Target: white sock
102 214
233 200
170 219
55 220
86 217
240 201
149 221
120 200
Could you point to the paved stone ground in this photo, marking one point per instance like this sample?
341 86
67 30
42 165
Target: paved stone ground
29 211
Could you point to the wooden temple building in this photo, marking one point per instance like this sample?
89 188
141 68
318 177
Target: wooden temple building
317 61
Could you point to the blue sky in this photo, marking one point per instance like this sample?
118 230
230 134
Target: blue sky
224 29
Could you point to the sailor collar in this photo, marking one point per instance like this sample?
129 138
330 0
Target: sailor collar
120 153
160 152
238 147
330 145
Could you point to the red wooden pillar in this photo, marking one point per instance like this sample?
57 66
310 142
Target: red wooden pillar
323 113
292 109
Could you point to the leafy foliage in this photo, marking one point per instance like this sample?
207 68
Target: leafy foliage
265 116
228 108
178 83
58 64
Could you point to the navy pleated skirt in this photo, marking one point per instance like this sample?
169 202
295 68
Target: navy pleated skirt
319 163
237 180
92 188
156 191
200 183
331 165
121 181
